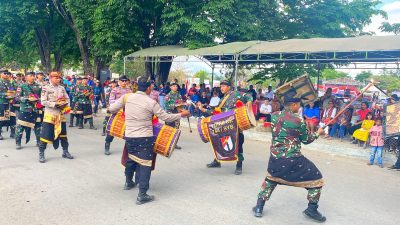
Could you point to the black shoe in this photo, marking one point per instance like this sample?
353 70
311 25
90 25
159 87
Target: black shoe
393 167
18 147
67 155
312 213
92 127
238 170
107 148
129 185
144 198
214 164
258 209
178 147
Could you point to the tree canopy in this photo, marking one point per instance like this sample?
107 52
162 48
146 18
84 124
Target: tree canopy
93 32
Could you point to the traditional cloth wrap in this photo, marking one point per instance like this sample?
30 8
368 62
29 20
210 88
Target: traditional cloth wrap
295 171
53 127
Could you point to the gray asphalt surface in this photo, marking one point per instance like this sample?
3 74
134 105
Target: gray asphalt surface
88 189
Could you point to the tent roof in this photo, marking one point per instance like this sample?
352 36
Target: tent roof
342 81
359 49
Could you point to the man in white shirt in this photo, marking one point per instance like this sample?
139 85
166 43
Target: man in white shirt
265 111
269 94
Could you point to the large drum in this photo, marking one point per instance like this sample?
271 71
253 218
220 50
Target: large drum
244 118
167 136
301 87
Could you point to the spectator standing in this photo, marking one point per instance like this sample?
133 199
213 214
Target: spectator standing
97 90
265 111
252 92
327 98
183 91
269 93
161 97
192 90
376 143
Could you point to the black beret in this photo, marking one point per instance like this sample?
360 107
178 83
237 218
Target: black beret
225 82
288 100
123 78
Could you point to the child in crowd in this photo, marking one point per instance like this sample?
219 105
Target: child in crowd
376 136
362 133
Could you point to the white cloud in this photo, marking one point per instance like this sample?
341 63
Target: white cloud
393 11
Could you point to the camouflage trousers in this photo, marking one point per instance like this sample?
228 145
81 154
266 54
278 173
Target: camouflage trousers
20 130
269 186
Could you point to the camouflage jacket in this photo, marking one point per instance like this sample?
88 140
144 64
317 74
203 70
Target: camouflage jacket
171 100
288 132
5 85
82 94
230 102
23 92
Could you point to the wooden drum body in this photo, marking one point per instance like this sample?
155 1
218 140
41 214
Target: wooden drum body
167 137
301 87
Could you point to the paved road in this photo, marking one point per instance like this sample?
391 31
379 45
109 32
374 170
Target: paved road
88 189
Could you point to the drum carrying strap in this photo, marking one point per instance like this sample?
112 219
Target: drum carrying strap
224 100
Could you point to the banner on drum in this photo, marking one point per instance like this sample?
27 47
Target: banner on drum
223 132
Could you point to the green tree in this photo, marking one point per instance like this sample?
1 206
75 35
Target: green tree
330 74
388 80
364 76
390 28
203 75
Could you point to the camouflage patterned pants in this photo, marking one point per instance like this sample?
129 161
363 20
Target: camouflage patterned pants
20 129
268 187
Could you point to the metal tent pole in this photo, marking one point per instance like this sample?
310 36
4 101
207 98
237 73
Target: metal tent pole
124 65
236 70
319 74
212 76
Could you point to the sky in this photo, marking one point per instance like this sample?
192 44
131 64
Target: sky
391 7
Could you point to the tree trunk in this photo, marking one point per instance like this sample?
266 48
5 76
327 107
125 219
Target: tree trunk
100 64
44 48
58 62
163 72
82 42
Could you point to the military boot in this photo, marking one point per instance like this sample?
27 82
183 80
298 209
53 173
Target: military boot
91 125
71 120
312 213
66 154
41 154
178 147
12 132
107 148
214 164
80 123
129 184
258 209
18 143
104 131
238 170
144 198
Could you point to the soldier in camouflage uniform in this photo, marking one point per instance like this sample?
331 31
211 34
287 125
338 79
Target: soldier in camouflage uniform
287 165
73 101
227 103
28 94
6 95
115 94
83 95
172 100
14 106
